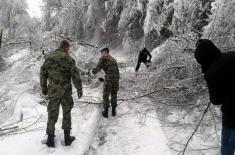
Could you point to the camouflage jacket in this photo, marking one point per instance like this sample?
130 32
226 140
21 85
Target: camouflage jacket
59 68
109 65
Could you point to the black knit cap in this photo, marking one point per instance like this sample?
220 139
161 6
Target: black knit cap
206 53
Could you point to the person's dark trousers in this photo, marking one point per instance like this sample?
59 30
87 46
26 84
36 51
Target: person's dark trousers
137 66
139 63
228 141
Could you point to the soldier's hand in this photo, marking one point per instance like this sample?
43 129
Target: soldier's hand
44 91
80 94
88 72
91 74
101 79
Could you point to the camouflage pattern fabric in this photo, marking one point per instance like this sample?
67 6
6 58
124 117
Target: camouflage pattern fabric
59 68
111 83
109 65
110 88
53 113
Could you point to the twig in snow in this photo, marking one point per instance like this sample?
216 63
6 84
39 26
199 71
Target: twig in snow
195 130
13 43
213 117
194 30
16 130
9 128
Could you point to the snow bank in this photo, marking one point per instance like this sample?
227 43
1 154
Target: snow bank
19 55
159 54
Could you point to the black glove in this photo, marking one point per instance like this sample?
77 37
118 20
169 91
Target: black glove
91 74
44 91
101 79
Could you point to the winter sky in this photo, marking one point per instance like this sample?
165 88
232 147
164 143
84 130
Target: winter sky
34 8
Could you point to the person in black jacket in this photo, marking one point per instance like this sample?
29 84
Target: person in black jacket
143 57
219 73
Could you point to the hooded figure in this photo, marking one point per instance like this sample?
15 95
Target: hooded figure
144 57
219 73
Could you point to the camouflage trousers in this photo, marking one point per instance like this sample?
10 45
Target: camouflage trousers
53 113
110 89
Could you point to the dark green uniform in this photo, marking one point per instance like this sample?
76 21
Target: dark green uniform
59 68
111 83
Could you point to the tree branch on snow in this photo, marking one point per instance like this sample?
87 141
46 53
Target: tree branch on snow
80 43
14 43
1 33
9 128
195 130
194 30
18 129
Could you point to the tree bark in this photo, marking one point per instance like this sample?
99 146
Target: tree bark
1 32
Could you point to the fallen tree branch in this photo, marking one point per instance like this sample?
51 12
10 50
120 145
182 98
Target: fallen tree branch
13 43
21 129
80 43
144 95
189 79
195 130
194 30
9 128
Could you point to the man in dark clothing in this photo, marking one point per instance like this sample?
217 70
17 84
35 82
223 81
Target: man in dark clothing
143 57
111 82
59 69
219 73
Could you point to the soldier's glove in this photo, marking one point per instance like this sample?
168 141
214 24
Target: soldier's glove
44 91
101 79
80 94
91 74
88 73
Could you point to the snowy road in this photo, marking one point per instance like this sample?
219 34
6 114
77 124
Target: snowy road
130 133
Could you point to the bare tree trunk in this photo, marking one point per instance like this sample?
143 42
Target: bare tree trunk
30 42
1 32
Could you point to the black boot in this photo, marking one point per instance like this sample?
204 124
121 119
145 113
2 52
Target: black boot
67 138
50 141
105 113
113 111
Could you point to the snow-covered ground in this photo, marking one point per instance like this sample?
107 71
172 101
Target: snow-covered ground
130 133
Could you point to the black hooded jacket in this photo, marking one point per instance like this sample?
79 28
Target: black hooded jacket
144 55
219 73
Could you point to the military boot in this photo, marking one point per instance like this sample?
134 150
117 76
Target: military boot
67 138
50 141
114 111
105 113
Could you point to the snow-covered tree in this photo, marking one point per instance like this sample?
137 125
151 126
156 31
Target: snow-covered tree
51 8
13 17
222 21
194 13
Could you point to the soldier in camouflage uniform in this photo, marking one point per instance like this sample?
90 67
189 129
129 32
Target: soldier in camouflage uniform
111 82
59 68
